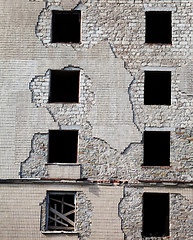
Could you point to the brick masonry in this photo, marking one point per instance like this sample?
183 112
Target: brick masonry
111 116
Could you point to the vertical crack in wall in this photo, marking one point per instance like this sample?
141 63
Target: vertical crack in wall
130 212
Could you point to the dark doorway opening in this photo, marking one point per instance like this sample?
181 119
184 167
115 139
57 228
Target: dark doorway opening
63 146
156 148
158 27
64 86
157 88
155 214
66 26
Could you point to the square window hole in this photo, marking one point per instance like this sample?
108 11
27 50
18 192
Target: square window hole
157 88
63 146
156 148
66 26
60 211
64 86
155 214
158 27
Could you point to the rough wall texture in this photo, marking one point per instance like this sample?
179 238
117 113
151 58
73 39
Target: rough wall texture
181 217
21 205
123 25
111 116
35 166
83 215
130 212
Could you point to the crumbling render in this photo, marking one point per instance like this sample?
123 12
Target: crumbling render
84 210
43 28
64 114
34 165
130 212
129 206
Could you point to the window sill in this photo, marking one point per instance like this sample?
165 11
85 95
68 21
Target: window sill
170 44
63 164
64 170
156 167
58 232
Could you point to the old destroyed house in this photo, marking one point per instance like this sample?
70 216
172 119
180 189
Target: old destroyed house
96 137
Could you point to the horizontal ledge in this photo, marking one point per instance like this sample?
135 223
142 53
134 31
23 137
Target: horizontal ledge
160 9
158 68
156 129
139 183
156 167
63 164
72 127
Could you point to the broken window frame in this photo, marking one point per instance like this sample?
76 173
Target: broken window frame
68 12
65 220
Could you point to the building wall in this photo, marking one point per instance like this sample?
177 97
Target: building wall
110 118
21 211
112 213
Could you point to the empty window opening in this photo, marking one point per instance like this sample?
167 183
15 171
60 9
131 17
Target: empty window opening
63 146
61 211
156 148
158 27
64 86
66 26
155 214
157 88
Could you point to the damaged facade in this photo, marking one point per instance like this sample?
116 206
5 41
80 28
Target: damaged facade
112 158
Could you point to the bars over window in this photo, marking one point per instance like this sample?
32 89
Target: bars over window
61 211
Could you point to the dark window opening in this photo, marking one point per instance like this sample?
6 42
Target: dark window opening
66 26
158 27
61 211
64 86
62 146
157 88
155 214
156 148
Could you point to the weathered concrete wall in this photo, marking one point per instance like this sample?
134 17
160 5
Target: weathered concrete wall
105 210
181 214
21 205
111 116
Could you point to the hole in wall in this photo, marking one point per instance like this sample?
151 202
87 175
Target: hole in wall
155 214
63 146
158 27
156 148
64 86
66 26
157 88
